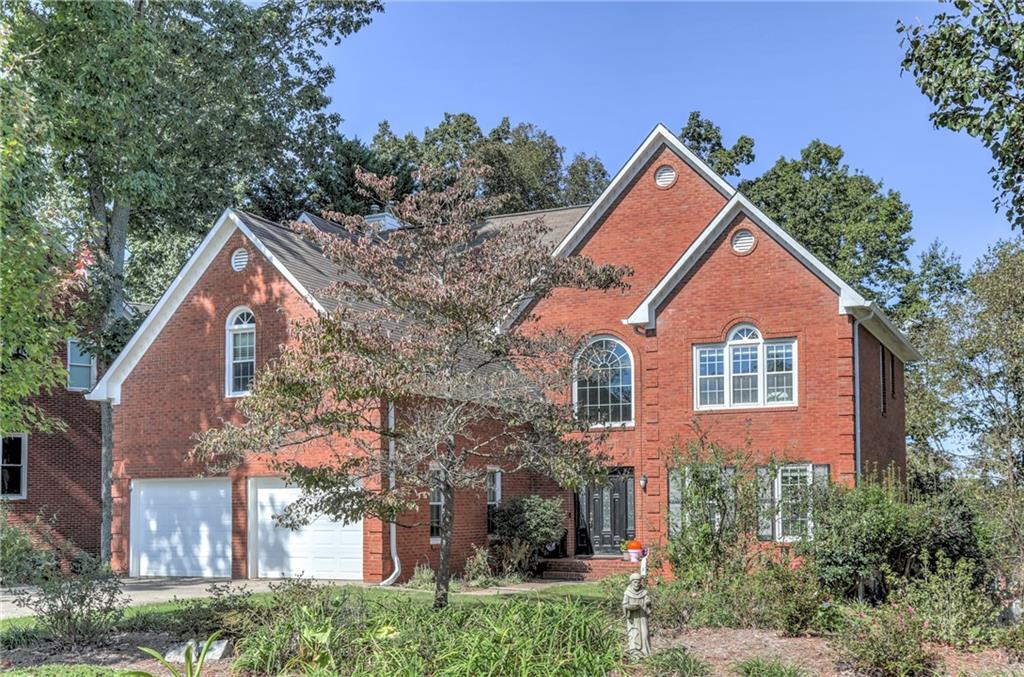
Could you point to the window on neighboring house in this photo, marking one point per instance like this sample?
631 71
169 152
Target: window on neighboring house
745 371
493 497
81 367
603 392
785 513
241 352
709 496
881 377
436 503
14 466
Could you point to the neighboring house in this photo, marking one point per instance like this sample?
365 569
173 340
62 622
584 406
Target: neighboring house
726 318
51 481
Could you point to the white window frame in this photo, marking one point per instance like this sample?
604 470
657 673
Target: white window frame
632 382
496 473
762 374
809 467
24 469
434 540
68 364
229 349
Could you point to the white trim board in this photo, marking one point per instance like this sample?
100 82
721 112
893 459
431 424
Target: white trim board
850 301
109 387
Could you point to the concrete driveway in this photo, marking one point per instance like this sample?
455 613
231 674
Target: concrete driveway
148 590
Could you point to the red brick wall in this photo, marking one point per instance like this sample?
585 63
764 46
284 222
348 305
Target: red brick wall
649 229
883 435
64 472
177 389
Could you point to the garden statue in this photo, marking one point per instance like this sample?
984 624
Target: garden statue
636 605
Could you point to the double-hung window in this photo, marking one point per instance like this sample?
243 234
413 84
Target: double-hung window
14 466
493 496
701 495
786 500
241 352
436 504
81 367
745 371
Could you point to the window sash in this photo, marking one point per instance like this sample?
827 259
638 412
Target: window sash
604 396
792 484
81 367
436 503
243 360
14 471
745 374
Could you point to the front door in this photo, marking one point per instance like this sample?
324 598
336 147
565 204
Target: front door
605 514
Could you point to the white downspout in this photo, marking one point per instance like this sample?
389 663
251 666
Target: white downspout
396 564
856 392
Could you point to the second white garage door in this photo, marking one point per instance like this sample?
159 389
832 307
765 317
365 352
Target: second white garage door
321 549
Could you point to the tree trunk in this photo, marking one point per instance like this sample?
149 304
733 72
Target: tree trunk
114 240
444 563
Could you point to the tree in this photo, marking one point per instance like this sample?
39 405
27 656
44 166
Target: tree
585 179
416 328
704 138
969 64
527 163
845 218
37 282
160 112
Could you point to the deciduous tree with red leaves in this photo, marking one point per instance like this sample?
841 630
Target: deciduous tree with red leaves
432 326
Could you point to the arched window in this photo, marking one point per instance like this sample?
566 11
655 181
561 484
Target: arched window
745 371
241 351
603 393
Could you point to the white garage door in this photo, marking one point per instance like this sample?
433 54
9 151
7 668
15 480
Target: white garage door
181 528
321 549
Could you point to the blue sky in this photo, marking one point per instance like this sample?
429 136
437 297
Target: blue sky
599 76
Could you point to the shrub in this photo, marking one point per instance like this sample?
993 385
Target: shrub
1012 642
954 609
77 609
478 568
885 641
768 667
529 524
227 610
21 560
677 662
422 578
787 596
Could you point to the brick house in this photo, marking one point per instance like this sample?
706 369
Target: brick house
55 477
727 318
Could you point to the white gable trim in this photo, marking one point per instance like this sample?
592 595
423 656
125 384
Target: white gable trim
109 387
850 301
659 136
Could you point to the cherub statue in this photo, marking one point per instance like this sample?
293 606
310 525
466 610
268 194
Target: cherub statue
636 605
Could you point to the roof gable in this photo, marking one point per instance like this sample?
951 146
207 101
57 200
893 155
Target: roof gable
659 137
109 387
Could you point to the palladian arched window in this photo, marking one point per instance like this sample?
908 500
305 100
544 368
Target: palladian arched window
240 351
603 392
745 371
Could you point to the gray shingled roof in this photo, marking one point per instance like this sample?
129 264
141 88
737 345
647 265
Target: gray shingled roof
315 272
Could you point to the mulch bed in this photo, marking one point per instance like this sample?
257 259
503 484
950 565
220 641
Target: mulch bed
723 648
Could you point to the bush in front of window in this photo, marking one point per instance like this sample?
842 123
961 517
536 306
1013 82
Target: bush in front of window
21 559
527 524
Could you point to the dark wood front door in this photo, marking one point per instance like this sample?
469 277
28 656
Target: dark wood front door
605 514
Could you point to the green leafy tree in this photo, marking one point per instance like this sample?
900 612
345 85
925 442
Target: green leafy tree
159 113
526 166
969 63
37 282
704 138
845 218
585 179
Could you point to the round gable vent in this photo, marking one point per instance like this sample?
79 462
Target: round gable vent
239 259
743 241
665 176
